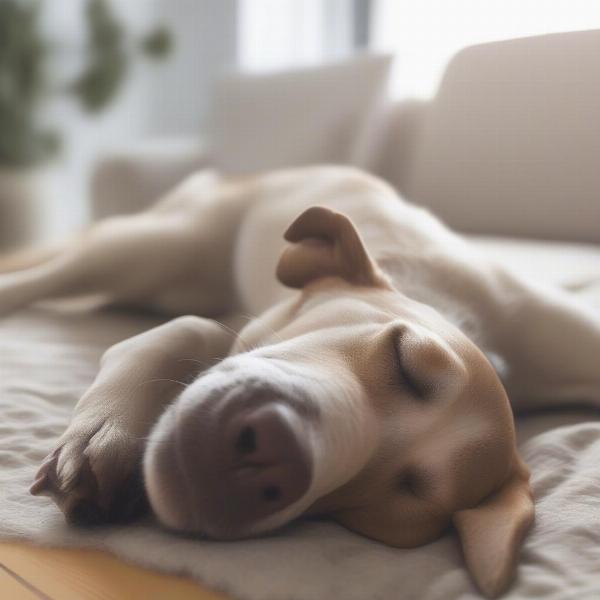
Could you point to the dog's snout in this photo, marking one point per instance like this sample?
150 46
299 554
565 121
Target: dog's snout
223 475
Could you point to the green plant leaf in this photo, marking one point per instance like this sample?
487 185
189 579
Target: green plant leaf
107 60
158 43
22 84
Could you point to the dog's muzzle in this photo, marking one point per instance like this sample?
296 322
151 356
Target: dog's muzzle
226 457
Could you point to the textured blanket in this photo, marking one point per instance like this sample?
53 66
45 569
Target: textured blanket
47 358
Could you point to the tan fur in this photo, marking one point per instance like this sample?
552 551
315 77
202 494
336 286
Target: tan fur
390 330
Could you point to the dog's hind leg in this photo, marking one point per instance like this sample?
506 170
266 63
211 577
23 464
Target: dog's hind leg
551 344
63 275
31 257
27 275
130 260
22 287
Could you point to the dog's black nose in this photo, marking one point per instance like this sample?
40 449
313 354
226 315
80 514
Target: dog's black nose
223 476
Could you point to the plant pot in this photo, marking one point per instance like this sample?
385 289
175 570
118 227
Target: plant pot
22 207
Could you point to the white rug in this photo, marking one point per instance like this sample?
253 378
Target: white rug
48 358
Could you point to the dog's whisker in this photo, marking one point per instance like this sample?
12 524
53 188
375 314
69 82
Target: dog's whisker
251 317
202 363
163 380
227 328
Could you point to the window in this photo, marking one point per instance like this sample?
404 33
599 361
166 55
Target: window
276 34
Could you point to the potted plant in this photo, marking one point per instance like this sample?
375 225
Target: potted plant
25 143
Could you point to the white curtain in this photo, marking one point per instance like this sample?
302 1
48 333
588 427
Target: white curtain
425 34
276 34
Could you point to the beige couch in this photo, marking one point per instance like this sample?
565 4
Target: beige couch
511 143
509 146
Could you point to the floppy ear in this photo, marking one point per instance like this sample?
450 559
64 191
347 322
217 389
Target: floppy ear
326 243
491 534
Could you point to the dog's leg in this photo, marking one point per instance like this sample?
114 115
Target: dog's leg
86 266
31 257
55 278
126 259
94 472
551 344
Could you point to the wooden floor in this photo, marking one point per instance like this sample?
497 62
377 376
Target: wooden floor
31 573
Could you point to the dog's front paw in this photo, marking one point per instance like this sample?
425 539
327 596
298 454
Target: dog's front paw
94 475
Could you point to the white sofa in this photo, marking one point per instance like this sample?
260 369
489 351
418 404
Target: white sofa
509 146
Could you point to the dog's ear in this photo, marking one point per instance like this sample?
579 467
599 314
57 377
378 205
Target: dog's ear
491 533
325 243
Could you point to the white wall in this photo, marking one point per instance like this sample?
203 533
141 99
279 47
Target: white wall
206 44
278 34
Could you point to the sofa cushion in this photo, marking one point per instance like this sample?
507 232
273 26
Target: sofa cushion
570 265
511 143
298 117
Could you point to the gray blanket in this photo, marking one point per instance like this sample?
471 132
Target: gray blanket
47 358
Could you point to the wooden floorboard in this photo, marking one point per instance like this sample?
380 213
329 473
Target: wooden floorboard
13 587
32 573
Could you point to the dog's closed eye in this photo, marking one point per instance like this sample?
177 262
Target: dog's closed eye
413 382
424 366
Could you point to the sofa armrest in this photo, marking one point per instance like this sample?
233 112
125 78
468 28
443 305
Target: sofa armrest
399 134
132 179
511 142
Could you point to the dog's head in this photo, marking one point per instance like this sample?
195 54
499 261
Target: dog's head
355 402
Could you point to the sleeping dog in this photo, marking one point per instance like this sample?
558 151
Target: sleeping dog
370 384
